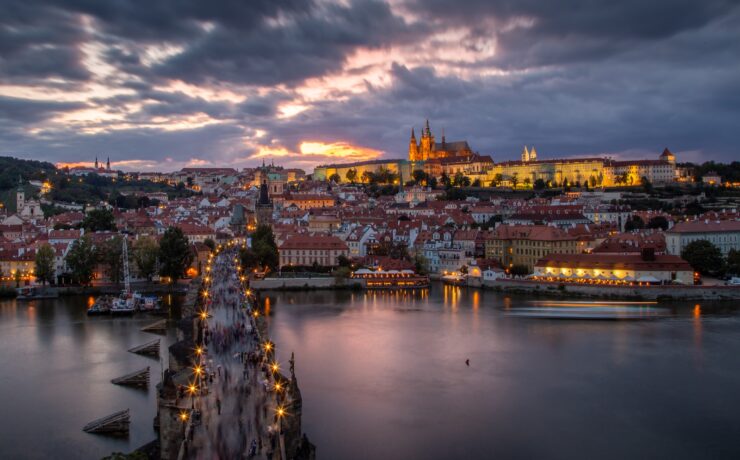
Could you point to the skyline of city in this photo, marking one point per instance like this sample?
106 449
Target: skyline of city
227 85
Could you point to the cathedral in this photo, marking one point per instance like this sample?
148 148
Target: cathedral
428 149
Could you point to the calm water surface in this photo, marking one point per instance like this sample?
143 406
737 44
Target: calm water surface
383 376
55 370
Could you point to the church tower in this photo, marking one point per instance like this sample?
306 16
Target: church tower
533 155
20 196
427 142
96 163
264 208
107 165
525 154
413 147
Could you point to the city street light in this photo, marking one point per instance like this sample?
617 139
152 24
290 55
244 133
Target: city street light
192 389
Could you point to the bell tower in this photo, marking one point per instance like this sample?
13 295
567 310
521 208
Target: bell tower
413 147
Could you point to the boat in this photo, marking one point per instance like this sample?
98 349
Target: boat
36 292
601 313
128 302
125 304
102 306
149 303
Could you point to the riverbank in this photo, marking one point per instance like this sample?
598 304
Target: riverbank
667 292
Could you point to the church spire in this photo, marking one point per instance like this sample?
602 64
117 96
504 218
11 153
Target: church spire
96 162
413 135
107 164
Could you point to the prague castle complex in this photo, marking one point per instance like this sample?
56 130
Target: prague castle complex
451 158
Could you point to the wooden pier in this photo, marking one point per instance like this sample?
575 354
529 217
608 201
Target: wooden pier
158 327
114 424
148 349
138 378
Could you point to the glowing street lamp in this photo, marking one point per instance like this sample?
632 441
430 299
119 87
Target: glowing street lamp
275 367
192 389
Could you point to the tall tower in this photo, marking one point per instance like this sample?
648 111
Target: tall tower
525 154
96 162
107 164
20 196
264 208
533 155
413 147
427 142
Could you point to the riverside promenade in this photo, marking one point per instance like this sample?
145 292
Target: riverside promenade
231 400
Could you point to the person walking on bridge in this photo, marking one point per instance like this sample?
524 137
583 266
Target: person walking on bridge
218 405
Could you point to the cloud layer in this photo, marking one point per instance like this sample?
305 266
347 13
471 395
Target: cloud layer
184 82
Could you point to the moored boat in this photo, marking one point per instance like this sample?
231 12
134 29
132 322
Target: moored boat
102 306
36 292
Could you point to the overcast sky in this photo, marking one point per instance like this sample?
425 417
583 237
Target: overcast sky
162 84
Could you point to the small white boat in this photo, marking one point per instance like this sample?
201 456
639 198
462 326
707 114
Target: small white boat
124 305
602 313
149 303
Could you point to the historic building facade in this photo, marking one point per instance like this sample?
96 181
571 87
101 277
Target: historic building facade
428 149
436 158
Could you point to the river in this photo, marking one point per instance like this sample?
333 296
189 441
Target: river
383 376
56 364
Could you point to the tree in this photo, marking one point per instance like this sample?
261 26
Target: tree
248 259
704 257
175 255
419 176
421 264
497 179
519 270
658 222
733 262
110 255
343 261
432 182
145 252
539 184
444 179
265 248
335 178
527 182
514 180
45 264
476 183
351 175
17 277
81 260
210 243
635 223
99 220
368 177
646 185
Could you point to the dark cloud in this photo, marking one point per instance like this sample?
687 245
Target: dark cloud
306 45
18 111
551 33
38 42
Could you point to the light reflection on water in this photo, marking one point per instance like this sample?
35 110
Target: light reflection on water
383 375
56 365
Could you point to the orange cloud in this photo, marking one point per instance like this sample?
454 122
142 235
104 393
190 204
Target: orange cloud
343 150
311 151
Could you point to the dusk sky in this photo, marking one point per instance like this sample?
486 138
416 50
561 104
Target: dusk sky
159 85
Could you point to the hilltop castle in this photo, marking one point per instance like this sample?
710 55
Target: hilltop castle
428 149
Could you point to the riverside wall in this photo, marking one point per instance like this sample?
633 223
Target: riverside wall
671 292
302 283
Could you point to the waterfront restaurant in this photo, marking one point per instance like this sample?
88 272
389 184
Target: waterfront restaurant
623 269
391 279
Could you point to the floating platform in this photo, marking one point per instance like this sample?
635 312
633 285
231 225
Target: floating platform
158 327
138 378
114 424
148 349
